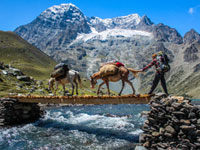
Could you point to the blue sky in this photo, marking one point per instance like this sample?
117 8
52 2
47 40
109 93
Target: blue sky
180 14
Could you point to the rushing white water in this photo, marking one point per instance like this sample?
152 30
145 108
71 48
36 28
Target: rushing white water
97 127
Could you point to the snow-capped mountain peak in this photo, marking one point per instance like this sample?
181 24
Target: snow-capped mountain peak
62 8
63 11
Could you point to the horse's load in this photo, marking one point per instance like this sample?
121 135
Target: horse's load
113 62
57 73
61 65
108 70
60 70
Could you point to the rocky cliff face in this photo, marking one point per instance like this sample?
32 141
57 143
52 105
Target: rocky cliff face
190 53
64 33
191 36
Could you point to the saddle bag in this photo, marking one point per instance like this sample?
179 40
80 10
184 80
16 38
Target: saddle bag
57 73
108 70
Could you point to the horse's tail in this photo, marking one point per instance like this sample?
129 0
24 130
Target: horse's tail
79 79
135 72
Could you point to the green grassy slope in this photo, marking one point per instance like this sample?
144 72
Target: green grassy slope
20 54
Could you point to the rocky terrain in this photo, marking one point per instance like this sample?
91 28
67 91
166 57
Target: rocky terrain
67 35
15 82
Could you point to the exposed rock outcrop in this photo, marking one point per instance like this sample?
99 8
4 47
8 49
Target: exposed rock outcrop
166 34
190 53
197 68
191 36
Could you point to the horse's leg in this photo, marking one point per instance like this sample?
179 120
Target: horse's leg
130 83
56 87
107 84
72 88
76 84
64 89
100 87
122 88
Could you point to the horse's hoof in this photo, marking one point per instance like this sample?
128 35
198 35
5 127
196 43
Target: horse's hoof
138 95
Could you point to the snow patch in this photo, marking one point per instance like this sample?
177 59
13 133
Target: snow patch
111 33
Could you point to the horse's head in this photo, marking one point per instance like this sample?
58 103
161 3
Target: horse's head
51 83
93 82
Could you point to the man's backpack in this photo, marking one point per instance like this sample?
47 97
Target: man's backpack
163 62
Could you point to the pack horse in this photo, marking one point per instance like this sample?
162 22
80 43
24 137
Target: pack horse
71 77
112 73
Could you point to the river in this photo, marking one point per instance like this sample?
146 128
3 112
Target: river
91 127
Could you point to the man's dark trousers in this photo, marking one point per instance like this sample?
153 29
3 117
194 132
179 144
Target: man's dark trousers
159 76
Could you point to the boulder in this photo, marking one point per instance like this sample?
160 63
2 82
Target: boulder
24 78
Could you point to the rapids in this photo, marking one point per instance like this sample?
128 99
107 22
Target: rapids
93 127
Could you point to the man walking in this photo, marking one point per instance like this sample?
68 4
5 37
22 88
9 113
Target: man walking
160 72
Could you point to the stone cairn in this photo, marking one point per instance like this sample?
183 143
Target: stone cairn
14 113
171 125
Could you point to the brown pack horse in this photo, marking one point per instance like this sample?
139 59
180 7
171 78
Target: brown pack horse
122 75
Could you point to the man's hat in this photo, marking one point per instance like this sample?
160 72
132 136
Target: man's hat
154 55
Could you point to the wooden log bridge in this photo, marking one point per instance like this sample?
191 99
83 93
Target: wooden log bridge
85 100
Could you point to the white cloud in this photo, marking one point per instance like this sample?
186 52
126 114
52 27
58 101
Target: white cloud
191 10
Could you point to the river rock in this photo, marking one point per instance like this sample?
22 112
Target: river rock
187 127
185 122
170 129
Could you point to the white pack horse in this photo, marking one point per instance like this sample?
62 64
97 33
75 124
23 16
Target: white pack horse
71 77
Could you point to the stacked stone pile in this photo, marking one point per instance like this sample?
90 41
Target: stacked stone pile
13 113
171 125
